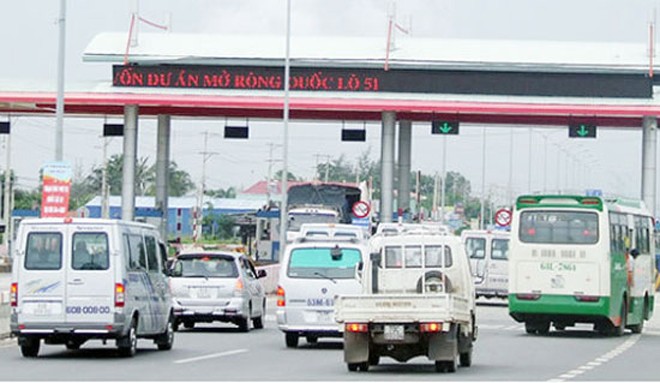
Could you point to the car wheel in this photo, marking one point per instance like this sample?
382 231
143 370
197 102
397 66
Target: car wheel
530 328
446 365
465 359
128 344
258 322
374 358
73 345
188 324
312 339
165 341
543 328
243 325
30 347
291 339
621 328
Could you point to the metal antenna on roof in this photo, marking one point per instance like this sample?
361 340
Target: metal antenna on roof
391 25
651 44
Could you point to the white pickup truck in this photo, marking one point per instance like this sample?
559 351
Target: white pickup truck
415 302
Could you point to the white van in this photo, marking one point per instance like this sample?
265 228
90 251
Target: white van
488 251
76 279
312 272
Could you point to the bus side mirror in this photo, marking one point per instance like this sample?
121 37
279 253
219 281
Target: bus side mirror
634 253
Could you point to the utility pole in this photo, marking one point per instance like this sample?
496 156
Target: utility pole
59 102
444 178
270 169
483 179
105 208
200 195
434 208
7 193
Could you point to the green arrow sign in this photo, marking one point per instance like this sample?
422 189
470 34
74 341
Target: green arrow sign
444 127
582 131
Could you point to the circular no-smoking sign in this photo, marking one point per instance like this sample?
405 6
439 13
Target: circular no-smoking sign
503 217
361 209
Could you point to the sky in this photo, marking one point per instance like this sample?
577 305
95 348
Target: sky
612 162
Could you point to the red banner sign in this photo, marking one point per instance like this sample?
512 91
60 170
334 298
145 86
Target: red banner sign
56 188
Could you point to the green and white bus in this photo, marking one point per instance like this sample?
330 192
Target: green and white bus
578 259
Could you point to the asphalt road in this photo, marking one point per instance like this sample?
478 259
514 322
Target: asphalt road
219 352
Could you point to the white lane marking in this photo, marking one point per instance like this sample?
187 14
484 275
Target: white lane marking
271 318
600 360
211 356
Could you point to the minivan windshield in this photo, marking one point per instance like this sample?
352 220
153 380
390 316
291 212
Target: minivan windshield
205 266
319 263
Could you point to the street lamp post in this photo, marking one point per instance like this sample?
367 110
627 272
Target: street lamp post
285 135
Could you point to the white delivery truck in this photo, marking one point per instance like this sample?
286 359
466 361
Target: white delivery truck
76 279
418 300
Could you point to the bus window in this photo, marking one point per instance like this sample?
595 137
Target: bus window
559 227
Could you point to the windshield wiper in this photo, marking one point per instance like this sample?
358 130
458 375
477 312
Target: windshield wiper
325 277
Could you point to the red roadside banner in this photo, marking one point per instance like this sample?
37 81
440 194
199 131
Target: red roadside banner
56 188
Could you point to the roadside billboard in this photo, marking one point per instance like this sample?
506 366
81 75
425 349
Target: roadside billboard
56 187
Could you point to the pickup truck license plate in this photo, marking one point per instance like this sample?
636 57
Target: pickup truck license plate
393 332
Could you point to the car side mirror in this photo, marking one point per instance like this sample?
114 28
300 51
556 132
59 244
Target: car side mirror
261 273
358 270
634 253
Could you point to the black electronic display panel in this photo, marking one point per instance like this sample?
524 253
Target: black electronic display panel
432 81
236 132
359 135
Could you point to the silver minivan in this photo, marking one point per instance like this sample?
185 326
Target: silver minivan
313 272
76 279
221 286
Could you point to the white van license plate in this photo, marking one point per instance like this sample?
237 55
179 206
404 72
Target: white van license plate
393 332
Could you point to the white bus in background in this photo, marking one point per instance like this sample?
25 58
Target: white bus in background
488 251
300 215
332 230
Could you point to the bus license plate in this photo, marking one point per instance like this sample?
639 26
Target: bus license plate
393 332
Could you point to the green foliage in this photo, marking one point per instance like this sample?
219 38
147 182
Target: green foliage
290 176
180 182
230 192
218 227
